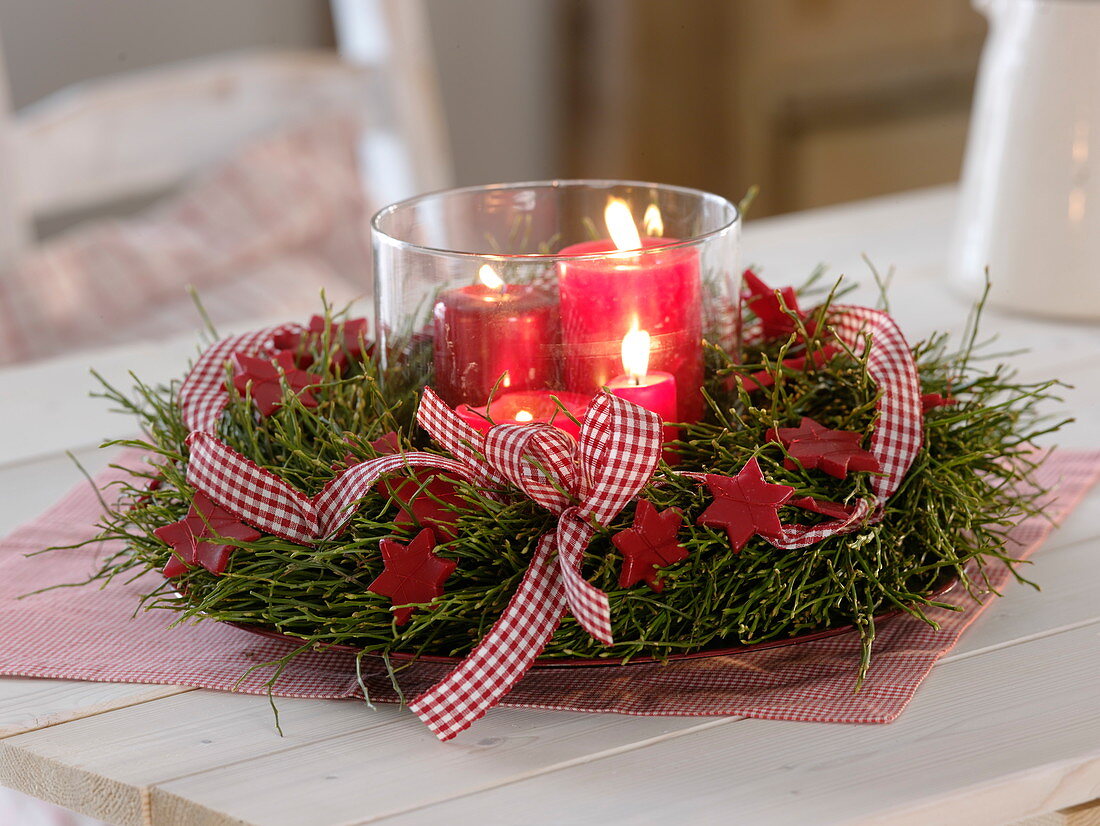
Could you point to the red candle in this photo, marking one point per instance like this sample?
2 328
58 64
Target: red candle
602 298
526 408
493 332
653 390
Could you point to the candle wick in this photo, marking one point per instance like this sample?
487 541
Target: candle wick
636 379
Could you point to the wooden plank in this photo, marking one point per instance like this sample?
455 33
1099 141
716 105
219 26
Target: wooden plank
1067 577
1033 790
33 485
1013 746
28 704
373 773
53 411
1066 589
104 766
1079 526
1087 814
80 768
906 230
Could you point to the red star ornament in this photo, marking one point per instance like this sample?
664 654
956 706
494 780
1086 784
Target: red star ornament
764 378
263 378
435 504
834 510
930 401
190 538
348 340
649 544
385 445
745 505
817 447
413 574
775 322
154 484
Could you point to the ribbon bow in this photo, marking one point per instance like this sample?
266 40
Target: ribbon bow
584 483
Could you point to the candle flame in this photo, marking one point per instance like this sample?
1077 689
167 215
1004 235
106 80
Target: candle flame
653 222
620 225
488 276
524 416
636 352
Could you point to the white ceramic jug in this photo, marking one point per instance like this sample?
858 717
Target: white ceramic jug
1030 196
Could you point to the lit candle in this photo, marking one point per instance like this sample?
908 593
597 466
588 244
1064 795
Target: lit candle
662 290
492 332
526 408
654 391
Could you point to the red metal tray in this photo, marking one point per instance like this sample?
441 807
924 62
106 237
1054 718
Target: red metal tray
579 662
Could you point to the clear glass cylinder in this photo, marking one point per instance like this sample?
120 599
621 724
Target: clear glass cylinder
557 289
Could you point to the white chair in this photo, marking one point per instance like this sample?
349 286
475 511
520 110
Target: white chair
132 135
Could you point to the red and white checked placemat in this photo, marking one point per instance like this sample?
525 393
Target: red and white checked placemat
88 633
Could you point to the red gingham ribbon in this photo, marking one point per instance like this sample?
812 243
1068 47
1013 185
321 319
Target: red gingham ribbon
583 483
265 501
255 495
899 431
203 395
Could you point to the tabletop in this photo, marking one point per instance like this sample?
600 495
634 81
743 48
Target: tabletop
1006 727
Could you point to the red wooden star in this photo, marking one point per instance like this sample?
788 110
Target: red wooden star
385 445
775 321
436 504
834 510
930 401
764 378
650 544
263 378
413 574
347 339
745 505
154 484
817 447
190 538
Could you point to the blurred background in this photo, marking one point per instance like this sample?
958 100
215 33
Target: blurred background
211 129
817 101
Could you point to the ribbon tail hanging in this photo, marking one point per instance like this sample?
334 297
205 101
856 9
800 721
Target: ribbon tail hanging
618 451
587 603
504 655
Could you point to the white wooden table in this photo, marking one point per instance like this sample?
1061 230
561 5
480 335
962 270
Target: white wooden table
1006 727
